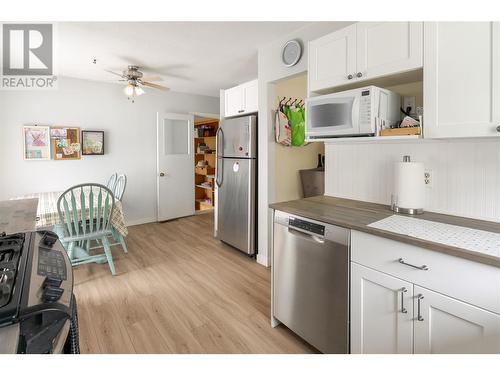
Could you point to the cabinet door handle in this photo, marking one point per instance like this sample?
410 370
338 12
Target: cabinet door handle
403 309
359 75
350 76
423 267
241 111
419 316
498 128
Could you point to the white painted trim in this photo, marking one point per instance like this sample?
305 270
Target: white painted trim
144 220
263 260
206 115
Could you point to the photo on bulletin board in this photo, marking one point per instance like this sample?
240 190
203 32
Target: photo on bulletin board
65 143
92 142
36 142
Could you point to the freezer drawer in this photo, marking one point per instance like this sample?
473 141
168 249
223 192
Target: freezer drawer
311 281
236 203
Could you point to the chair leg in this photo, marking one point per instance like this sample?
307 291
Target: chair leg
122 242
109 256
69 248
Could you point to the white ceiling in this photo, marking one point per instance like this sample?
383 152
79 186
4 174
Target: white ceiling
193 57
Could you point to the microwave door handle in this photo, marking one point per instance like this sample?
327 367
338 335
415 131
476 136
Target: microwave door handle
355 115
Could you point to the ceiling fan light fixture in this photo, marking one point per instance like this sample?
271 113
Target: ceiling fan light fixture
129 90
139 91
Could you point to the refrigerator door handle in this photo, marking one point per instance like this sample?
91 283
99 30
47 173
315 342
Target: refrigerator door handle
220 156
219 140
220 171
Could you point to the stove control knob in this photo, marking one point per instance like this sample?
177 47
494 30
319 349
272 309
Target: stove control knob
52 281
52 294
51 289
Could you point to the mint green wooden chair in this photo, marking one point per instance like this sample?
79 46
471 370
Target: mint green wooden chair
111 184
85 211
121 184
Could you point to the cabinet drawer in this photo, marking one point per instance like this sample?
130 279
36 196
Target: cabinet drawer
475 283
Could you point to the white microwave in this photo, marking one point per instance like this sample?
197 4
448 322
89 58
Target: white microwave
351 113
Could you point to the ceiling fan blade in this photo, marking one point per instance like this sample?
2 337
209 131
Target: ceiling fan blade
155 86
152 78
116 74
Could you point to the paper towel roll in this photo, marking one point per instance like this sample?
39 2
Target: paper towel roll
409 185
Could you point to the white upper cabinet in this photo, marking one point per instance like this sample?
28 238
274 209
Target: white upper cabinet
365 50
381 313
444 325
461 79
385 48
233 99
251 96
241 99
332 59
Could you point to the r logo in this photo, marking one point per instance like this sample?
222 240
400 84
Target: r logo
27 49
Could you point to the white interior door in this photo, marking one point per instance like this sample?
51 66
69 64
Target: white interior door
175 166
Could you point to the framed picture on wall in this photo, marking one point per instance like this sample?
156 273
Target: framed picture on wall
65 142
36 142
92 142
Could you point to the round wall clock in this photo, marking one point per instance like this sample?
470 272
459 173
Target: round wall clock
291 52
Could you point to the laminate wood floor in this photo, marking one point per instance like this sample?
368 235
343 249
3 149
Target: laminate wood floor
179 290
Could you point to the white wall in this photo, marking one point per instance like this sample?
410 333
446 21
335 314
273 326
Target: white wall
271 70
130 138
465 173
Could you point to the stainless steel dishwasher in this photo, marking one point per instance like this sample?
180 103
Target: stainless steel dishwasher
311 280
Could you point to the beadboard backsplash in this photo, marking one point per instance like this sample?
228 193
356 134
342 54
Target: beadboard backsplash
465 173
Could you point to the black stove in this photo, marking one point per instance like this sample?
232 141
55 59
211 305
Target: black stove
37 306
11 249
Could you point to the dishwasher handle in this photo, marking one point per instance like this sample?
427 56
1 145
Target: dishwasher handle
306 236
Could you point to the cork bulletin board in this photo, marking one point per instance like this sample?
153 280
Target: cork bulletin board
65 143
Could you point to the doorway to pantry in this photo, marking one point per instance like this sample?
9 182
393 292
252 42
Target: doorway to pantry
205 147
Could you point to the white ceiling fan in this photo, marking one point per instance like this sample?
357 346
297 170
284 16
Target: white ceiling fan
136 80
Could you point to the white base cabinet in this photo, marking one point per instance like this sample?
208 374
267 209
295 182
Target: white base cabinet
391 312
448 326
381 313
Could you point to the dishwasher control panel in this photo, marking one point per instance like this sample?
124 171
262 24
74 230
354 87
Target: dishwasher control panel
307 226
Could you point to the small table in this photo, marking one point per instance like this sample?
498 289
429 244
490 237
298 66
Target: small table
47 215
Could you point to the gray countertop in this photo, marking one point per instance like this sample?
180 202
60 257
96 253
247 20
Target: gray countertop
358 215
18 215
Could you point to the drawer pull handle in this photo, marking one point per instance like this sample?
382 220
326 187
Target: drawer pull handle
403 291
423 268
419 316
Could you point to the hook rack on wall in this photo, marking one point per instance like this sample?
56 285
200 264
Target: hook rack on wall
290 102
289 124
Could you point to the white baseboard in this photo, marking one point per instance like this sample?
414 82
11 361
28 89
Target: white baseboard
263 259
145 220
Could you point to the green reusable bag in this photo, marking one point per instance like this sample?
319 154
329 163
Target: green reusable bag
296 117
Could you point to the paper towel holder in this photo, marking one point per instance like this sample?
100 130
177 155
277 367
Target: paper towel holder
394 199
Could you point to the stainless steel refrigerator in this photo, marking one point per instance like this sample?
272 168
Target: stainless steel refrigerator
236 181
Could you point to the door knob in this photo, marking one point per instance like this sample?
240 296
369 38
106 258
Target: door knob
359 75
162 174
